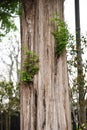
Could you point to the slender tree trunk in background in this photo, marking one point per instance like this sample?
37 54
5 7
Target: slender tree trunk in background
45 103
80 76
80 82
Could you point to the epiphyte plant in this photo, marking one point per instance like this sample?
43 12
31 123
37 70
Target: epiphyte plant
61 35
31 67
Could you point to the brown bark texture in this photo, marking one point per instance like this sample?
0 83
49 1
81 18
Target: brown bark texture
45 103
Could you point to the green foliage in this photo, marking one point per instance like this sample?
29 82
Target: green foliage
61 35
31 67
72 60
9 97
8 10
9 102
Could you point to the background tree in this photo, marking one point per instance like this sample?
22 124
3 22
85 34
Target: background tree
9 94
80 76
10 50
74 83
9 86
9 102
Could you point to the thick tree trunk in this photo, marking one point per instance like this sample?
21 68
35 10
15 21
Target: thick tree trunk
45 103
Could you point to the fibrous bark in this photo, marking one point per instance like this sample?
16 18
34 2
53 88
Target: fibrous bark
45 102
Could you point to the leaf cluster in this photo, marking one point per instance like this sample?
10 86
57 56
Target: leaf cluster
8 10
31 67
61 35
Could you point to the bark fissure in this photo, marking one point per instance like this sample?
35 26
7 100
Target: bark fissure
35 123
44 105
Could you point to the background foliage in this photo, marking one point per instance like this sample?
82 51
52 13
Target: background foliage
8 10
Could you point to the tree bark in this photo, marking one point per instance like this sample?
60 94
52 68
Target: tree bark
45 103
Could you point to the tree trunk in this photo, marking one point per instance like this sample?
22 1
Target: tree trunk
45 103
8 121
80 75
1 120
